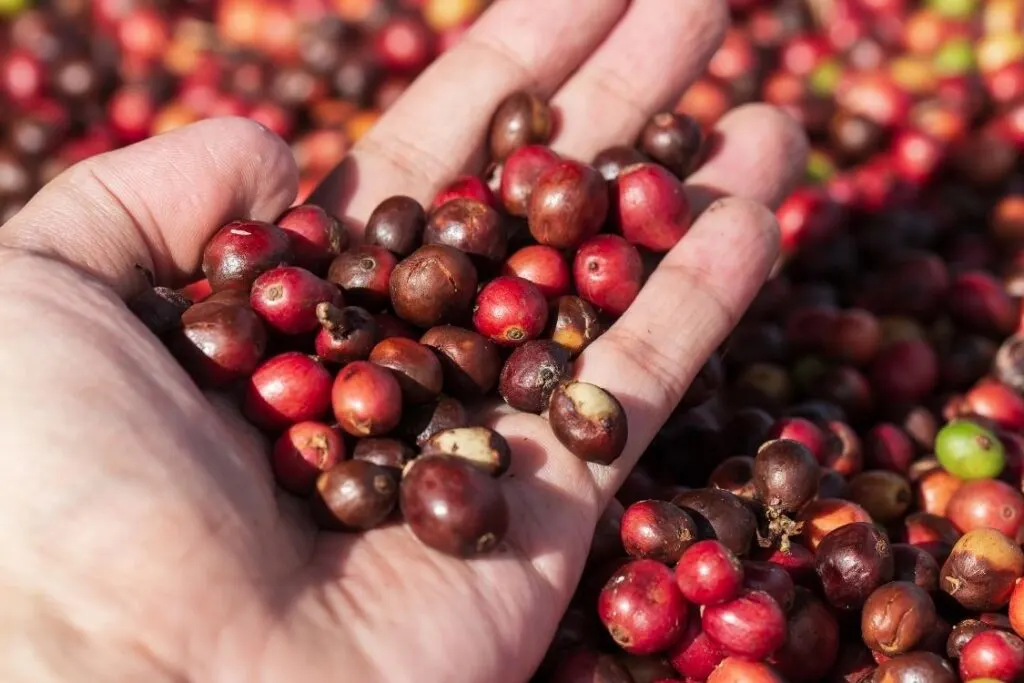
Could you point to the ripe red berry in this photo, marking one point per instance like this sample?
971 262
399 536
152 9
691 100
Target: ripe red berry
287 298
608 272
708 573
544 266
510 310
651 207
642 608
304 451
289 388
367 399
751 626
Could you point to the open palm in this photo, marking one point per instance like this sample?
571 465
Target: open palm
143 537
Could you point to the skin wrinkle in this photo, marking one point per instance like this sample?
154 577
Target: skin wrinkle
152 245
93 303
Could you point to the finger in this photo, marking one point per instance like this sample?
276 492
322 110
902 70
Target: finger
655 52
154 204
758 152
691 302
437 129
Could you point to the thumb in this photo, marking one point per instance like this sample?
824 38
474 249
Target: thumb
156 203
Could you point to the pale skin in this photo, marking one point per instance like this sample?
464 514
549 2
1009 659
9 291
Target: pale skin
142 536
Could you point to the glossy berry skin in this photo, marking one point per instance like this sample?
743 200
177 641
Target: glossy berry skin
997 402
785 474
568 205
610 161
531 374
650 207
288 388
708 573
915 666
993 654
720 515
421 422
695 655
739 670
1016 608
510 311
435 284
219 342
390 453
982 569
930 533
415 366
287 297
519 176
589 421
302 453
798 561
316 236
824 515
363 273
543 266
852 561
367 399
752 625
346 334
608 273
803 431
673 140
354 495
397 225
771 579
969 451
642 608
470 226
656 530
575 324
240 251
453 506
988 503
470 363
465 187
521 119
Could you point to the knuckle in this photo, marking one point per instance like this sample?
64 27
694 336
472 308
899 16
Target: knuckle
417 165
496 49
612 84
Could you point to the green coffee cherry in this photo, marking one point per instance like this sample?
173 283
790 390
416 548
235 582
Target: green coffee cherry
969 451
9 8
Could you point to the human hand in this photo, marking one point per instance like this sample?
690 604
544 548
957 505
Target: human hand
143 535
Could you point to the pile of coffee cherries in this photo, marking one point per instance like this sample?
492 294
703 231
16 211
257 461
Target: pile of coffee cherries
81 77
362 360
840 496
